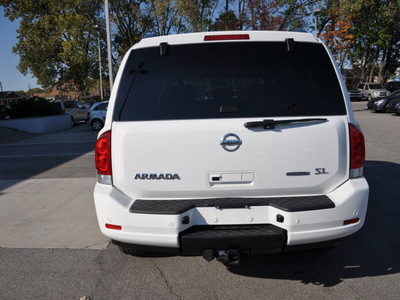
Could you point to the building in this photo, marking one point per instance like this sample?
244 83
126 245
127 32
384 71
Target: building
67 91
8 97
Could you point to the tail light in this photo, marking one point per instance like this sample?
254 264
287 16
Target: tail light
103 158
112 226
351 221
357 151
88 114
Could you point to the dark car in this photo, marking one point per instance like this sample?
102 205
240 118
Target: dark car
354 94
379 105
393 86
393 107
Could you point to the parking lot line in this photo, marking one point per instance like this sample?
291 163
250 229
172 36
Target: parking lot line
47 143
46 155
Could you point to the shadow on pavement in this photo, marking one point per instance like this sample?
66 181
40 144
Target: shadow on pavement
66 154
374 251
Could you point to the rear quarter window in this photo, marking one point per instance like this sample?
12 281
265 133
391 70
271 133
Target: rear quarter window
102 106
228 80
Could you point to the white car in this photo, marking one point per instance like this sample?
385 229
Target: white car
97 115
210 149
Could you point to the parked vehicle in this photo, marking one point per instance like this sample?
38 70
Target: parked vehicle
97 115
392 86
354 94
372 90
393 107
74 108
202 153
379 105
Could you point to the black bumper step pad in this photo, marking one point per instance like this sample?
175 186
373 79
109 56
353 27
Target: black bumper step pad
241 237
174 207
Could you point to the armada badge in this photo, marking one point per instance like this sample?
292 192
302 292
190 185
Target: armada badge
155 176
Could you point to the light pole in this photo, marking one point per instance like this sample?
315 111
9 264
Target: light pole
109 45
316 13
101 77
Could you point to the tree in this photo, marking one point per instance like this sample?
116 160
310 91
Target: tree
56 39
167 16
265 15
198 14
227 20
133 21
376 31
335 29
296 13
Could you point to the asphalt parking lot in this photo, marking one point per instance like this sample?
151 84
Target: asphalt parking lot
51 247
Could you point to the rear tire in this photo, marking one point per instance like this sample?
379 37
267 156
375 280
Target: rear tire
97 124
130 250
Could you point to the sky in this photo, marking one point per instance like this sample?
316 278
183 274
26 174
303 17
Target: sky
10 78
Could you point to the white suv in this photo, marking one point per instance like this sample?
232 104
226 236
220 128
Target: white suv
372 90
209 148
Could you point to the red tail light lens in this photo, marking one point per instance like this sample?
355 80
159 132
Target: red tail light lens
226 37
115 227
351 221
357 147
103 154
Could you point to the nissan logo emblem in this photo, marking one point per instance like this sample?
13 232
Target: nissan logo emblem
230 142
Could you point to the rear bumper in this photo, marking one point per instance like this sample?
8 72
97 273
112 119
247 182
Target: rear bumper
296 227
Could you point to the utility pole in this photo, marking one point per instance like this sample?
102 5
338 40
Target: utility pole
101 77
109 45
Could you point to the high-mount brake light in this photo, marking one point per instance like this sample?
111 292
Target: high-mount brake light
103 157
226 37
357 151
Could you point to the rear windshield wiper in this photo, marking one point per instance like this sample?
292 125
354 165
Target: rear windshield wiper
270 123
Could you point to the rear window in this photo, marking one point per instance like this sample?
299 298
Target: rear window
102 106
228 80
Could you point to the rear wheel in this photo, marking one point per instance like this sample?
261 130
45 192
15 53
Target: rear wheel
97 124
130 250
